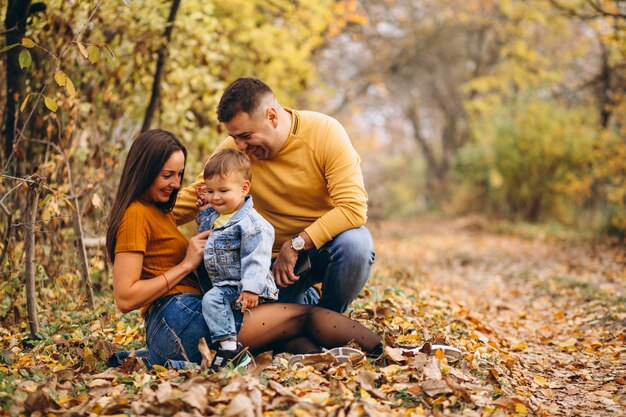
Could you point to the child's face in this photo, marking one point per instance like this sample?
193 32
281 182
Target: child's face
226 193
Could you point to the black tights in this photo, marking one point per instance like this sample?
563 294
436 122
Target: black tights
299 328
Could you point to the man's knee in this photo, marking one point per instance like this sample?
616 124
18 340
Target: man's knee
356 244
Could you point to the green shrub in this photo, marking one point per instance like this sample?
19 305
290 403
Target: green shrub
531 161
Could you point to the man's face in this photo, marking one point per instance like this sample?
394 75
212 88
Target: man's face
254 135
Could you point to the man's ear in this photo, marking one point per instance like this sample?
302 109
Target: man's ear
272 116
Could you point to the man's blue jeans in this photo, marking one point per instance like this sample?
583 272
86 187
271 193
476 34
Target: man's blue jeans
222 319
342 266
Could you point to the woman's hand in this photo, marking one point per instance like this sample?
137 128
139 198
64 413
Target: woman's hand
248 300
195 250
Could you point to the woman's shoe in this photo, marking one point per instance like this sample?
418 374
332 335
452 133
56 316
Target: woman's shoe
341 354
452 354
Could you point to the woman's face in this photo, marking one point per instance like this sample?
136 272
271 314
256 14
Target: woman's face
168 179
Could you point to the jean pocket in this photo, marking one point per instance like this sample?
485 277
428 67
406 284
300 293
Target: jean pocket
227 250
163 341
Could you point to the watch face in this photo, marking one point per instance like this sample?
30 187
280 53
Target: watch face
297 243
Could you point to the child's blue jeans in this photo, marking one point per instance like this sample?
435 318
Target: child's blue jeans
218 308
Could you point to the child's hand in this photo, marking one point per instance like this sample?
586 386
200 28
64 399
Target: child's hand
202 201
248 300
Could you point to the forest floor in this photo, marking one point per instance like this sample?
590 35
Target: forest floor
539 316
555 304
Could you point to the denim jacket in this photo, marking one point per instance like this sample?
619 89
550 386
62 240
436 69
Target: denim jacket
240 252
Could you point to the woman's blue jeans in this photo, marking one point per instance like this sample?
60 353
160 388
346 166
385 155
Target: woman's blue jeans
342 266
174 325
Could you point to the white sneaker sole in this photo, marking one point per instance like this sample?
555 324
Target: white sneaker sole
342 354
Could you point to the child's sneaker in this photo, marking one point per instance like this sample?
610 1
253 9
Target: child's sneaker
239 358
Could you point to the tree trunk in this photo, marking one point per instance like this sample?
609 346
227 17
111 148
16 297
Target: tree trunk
29 273
15 26
162 56
605 103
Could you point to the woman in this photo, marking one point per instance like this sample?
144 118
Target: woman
154 270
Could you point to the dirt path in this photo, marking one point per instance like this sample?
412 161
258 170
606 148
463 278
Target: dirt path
558 308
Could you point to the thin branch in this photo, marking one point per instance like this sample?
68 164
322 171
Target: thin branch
63 216
603 12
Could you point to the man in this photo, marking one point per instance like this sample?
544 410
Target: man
307 183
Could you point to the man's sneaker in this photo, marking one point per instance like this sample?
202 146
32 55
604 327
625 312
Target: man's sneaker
452 354
238 358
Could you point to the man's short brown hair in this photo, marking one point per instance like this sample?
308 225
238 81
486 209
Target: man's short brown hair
242 95
226 161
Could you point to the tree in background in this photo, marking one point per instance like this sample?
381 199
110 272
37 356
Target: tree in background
410 62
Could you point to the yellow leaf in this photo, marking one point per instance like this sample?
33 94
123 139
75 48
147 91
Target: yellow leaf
520 346
23 106
94 53
24 58
302 373
60 78
541 381
521 408
69 86
82 50
51 104
568 343
63 400
439 354
28 43
365 394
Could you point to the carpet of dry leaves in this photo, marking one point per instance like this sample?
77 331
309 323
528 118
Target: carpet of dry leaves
539 317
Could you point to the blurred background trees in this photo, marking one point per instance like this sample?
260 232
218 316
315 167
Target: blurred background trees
513 109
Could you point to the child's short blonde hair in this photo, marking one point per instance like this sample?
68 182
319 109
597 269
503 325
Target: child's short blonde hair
226 161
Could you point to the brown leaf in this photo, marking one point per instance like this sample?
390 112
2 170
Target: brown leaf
434 387
164 392
280 390
196 396
319 361
40 401
261 362
132 364
395 354
207 354
240 406
367 379
102 349
97 383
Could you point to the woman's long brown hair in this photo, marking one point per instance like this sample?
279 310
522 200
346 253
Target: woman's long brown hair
144 162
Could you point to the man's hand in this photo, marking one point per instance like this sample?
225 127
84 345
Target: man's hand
248 300
284 264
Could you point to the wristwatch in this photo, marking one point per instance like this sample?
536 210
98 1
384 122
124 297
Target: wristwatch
297 243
